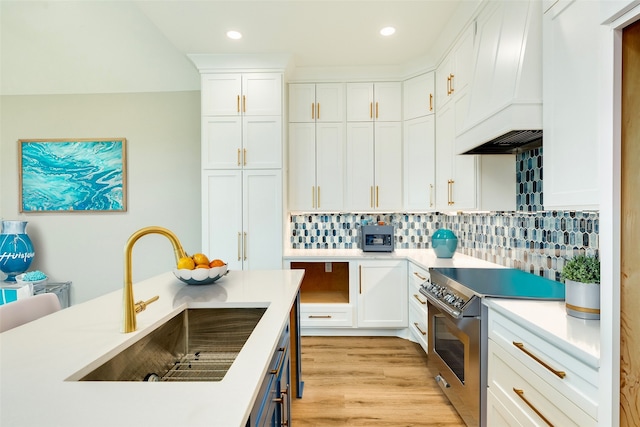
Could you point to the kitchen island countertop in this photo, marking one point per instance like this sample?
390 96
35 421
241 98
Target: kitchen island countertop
38 359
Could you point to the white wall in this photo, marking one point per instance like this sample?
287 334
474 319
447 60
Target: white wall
163 182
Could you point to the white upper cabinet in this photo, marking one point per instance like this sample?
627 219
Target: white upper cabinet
374 167
253 142
242 121
570 115
454 73
419 163
457 175
319 102
316 147
251 94
316 166
367 102
418 96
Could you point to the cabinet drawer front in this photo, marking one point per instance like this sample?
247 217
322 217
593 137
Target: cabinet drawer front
326 315
527 396
418 326
417 275
580 381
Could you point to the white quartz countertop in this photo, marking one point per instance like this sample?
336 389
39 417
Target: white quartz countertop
39 360
578 337
425 258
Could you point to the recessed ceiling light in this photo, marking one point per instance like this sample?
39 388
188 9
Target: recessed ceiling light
235 35
387 31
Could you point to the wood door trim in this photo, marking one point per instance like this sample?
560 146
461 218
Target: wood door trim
630 229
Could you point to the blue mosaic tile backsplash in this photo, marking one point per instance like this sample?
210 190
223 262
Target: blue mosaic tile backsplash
530 239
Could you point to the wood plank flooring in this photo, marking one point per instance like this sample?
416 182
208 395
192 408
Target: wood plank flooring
368 381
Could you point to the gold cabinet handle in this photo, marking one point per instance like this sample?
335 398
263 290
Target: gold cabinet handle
244 246
318 113
419 276
418 328
313 196
450 192
244 156
238 103
317 316
449 85
418 298
371 196
430 195
559 374
451 76
430 102
313 111
520 394
377 196
376 110
371 110
239 246
360 278
238 157
244 103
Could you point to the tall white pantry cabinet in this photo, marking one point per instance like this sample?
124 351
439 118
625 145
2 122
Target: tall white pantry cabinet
242 205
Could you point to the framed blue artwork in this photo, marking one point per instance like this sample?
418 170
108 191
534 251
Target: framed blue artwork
72 175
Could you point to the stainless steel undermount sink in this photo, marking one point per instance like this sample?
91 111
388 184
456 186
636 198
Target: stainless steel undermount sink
199 344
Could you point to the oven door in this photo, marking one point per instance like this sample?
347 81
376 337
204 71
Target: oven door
454 356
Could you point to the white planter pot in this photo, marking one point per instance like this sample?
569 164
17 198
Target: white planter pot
582 300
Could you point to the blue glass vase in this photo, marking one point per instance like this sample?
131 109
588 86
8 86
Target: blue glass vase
444 243
16 249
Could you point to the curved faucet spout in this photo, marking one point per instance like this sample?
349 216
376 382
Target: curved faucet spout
129 308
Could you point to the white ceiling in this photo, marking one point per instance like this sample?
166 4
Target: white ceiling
95 46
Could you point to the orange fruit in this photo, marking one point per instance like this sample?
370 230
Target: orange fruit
186 263
200 259
202 265
216 263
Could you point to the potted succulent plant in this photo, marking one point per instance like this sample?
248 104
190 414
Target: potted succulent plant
581 276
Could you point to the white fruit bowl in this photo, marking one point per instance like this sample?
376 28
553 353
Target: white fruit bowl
201 276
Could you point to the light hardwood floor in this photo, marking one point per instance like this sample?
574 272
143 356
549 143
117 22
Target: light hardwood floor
368 381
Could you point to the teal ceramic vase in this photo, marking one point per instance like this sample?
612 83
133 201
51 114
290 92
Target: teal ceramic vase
444 243
16 249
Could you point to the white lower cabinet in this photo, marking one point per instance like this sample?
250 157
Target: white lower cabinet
242 218
382 294
531 382
351 295
326 315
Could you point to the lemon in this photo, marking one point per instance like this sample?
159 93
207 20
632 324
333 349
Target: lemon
200 259
186 263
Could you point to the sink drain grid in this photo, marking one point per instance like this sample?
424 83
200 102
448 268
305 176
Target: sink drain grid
201 367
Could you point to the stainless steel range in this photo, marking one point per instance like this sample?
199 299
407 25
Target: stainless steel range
458 328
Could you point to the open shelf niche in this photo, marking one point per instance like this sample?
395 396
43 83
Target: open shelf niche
324 282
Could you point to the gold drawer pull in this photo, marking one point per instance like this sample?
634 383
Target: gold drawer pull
559 374
419 276
418 328
317 316
520 394
418 298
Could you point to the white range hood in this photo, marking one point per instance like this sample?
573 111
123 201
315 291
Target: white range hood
505 97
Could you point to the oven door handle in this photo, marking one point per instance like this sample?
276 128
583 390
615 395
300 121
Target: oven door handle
440 379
